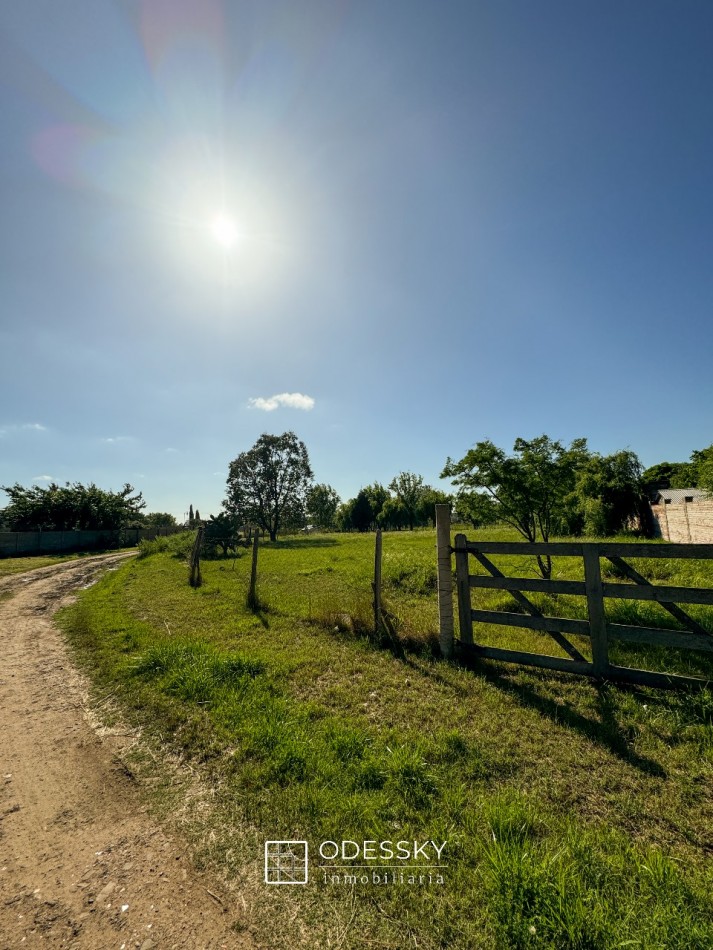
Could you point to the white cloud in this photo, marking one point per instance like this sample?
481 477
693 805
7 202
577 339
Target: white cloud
170 450
14 427
43 478
220 473
292 400
117 438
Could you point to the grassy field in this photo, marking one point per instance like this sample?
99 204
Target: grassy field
576 815
19 565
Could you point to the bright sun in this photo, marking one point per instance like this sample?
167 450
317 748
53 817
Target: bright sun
224 231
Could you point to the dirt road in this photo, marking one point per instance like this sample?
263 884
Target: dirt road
82 865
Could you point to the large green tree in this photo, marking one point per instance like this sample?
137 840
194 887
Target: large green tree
702 460
668 475
409 489
322 505
393 516
70 506
362 512
268 484
696 473
527 488
159 519
609 489
378 497
365 511
426 508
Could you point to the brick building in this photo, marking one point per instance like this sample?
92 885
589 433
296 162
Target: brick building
684 515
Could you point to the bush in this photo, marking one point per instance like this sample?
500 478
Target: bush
180 545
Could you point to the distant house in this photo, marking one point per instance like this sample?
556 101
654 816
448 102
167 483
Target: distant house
675 496
683 515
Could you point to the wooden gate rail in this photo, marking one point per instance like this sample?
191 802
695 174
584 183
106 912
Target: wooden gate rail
597 628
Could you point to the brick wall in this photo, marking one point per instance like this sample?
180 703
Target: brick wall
685 522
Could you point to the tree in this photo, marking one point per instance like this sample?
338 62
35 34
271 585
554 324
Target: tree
408 488
426 509
476 508
527 488
191 519
345 512
659 476
159 519
71 507
610 492
362 513
702 460
393 516
322 505
268 484
221 530
378 497
697 473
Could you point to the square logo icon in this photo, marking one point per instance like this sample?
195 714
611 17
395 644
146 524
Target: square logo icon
286 862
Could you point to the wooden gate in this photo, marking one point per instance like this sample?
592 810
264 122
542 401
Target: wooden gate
596 628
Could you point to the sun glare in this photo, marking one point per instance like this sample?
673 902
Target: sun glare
224 231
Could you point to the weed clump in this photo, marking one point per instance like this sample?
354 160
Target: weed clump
179 545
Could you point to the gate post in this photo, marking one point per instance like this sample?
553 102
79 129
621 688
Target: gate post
377 582
445 580
463 580
595 609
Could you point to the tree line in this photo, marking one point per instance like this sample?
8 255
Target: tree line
542 488
77 507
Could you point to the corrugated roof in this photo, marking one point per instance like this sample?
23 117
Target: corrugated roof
675 495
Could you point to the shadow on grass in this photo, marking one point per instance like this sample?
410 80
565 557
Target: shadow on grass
682 662
259 609
293 543
430 671
606 731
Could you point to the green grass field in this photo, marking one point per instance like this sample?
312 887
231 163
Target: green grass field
20 565
576 815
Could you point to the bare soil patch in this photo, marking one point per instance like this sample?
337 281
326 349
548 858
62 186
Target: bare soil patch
82 864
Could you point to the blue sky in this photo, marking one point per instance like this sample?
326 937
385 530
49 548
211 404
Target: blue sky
434 221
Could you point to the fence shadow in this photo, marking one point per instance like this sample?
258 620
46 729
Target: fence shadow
606 731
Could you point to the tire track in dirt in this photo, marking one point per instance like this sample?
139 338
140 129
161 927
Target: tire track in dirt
82 865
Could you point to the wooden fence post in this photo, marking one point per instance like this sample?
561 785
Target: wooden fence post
252 593
595 609
445 579
465 619
377 582
195 579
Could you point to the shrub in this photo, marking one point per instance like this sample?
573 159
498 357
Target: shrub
180 545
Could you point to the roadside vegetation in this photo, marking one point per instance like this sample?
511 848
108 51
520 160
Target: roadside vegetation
577 815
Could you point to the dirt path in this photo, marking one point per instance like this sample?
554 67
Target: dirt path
82 865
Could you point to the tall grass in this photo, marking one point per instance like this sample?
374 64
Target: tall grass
179 545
